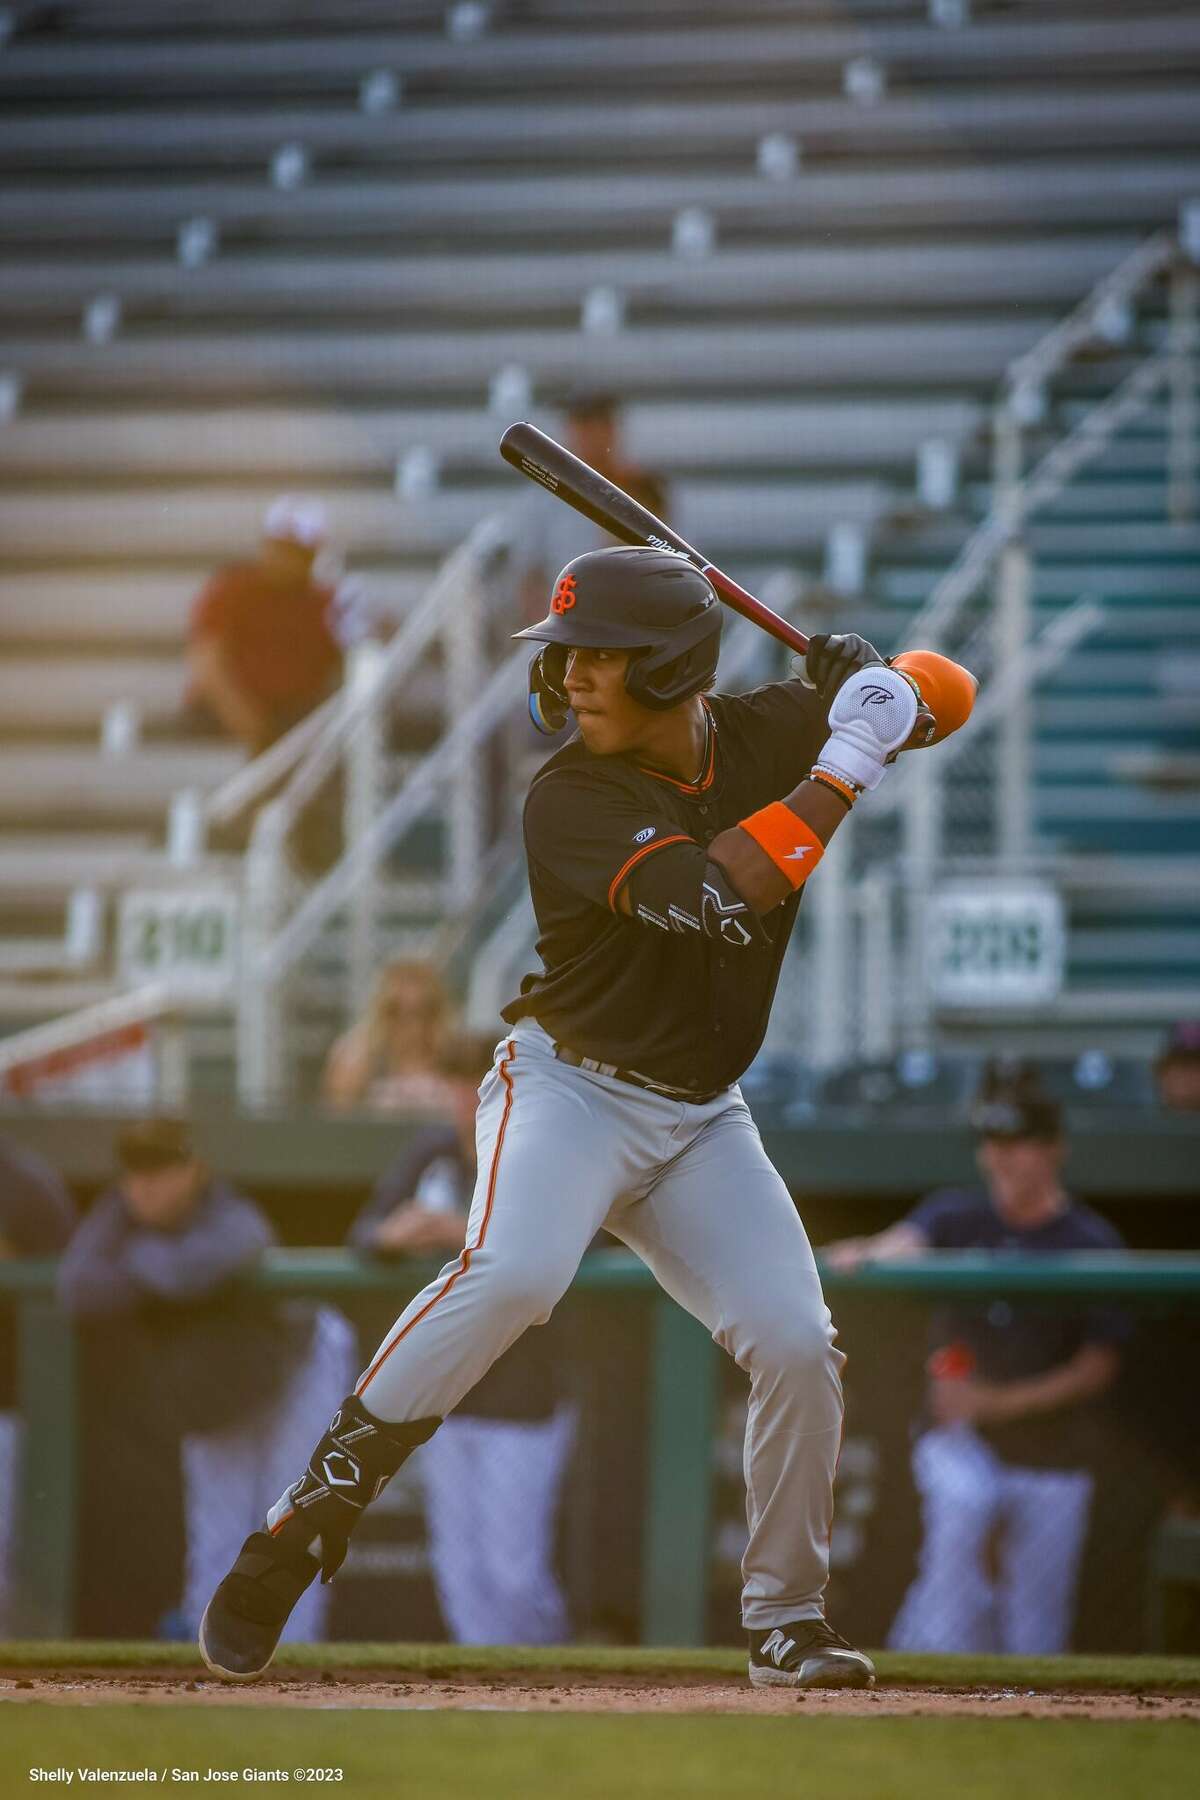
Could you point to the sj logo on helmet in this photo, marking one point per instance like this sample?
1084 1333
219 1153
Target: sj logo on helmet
564 595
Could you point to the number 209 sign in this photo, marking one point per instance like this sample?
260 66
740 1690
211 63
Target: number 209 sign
190 936
996 946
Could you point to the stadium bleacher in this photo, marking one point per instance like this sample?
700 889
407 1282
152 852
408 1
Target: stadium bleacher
237 260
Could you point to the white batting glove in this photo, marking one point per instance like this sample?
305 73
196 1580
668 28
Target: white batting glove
870 720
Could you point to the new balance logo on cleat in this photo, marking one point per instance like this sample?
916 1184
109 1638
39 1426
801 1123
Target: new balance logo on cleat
777 1647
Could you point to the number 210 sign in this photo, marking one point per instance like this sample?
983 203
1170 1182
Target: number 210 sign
1001 946
190 937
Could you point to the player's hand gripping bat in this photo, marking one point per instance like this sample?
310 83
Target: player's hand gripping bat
945 689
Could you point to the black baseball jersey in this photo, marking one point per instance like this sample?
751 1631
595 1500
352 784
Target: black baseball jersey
655 993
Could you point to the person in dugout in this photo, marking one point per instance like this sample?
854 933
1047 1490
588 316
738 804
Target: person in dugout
201 1367
1002 1450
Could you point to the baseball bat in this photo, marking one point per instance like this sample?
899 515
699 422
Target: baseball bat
566 476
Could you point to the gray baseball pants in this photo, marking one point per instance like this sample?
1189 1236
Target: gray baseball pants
562 1152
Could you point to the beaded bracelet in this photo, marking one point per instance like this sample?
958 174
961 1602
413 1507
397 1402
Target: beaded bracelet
846 791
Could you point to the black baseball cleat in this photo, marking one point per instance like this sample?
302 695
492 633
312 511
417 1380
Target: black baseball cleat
807 1653
240 1629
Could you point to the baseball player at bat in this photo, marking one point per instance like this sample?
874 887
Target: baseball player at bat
669 845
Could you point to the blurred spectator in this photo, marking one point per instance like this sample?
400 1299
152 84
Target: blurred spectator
493 1473
391 1059
37 1216
546 534
1001 1455
1177 1069
264 645
197 1363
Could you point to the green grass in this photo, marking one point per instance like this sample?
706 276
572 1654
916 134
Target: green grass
474 1756
1077 1674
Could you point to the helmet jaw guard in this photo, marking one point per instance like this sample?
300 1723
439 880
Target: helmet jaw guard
662 677
653 603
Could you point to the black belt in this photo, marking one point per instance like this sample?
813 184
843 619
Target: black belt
574 1061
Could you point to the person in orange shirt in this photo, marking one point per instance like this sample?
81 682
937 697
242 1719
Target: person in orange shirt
263 647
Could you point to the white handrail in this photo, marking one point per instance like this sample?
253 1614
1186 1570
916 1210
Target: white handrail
417 793
1118 288
975 560
416 633
313 744
1055 641
256 777
141 1006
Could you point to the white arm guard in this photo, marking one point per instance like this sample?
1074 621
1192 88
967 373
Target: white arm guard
871 718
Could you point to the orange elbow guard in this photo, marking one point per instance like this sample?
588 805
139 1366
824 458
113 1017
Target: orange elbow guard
792 845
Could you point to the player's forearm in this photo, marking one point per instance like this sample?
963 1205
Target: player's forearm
757 879
871 719
848 1255
1086 1374
895 1243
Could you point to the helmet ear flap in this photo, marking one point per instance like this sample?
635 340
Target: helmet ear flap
548 706
665 674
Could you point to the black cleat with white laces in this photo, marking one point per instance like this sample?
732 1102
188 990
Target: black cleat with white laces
807 1653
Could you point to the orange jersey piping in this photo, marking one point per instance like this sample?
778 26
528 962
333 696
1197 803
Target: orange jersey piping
680 837
710 767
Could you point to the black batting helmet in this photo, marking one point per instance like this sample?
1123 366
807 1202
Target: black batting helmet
651 602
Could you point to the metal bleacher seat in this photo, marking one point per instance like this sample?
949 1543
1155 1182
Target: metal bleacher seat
799 52
198 524
93 607
1138 191
248 283
73 783
707 360
340 443
69 692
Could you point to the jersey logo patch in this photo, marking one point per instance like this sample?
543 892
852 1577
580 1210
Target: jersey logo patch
644 836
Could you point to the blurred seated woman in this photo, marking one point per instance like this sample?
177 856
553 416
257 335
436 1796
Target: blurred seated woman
390 1060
